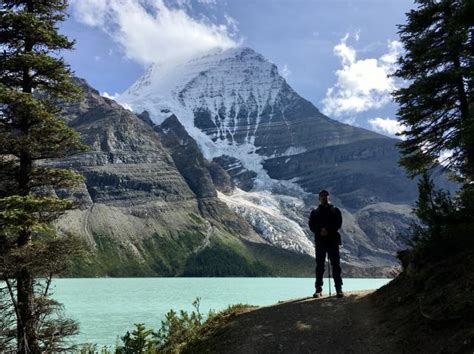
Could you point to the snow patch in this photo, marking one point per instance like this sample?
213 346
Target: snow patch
291 151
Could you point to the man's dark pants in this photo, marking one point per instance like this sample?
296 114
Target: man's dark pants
332 250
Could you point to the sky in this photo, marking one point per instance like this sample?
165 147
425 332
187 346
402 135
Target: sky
338 54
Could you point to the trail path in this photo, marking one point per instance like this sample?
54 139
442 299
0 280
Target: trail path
325 325
207 240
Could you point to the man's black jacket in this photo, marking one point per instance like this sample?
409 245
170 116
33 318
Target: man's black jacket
328 217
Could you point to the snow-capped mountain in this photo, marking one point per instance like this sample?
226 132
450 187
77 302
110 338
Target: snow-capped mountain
274 144
221 99
235 103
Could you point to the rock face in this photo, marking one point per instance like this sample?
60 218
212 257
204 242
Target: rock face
187 157
133 194
359 173
278 147
198 173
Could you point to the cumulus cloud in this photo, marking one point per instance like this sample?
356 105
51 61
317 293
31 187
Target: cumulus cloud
386 125
361 84
149 31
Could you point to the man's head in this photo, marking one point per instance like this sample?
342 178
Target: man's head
324 197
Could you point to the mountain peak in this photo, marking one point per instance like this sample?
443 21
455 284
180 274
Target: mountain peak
234 102
164 80
221 82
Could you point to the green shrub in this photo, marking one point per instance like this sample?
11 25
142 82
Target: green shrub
179 332
140 340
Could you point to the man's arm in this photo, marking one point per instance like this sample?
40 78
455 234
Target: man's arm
312 222
338 224
338 219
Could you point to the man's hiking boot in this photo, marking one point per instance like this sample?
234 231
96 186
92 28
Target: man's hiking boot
318 293
339 293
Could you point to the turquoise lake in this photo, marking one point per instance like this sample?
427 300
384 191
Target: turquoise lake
107 307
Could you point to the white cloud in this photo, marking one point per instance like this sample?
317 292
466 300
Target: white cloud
445 157
149 31
361 84
386 125
285 71
347 54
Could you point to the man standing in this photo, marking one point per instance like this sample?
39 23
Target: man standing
325 221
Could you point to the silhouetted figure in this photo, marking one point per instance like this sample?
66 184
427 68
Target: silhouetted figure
325 221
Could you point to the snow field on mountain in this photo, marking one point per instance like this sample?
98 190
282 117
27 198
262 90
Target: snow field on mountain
264 211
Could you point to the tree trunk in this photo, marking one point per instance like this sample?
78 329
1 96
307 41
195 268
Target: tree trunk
26 331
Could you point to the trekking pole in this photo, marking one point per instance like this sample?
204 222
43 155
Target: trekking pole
329 276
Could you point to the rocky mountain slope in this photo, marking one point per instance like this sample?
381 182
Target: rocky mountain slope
148 205
279 151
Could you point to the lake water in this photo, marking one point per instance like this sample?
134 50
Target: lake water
107 307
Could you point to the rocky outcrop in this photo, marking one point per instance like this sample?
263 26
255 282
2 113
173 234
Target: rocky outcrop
221 179
187 157
198 173
386 225
241 177
359 173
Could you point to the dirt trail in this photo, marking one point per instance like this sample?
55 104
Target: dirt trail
325 325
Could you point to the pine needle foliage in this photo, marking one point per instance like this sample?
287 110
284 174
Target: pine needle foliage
436 107
33 78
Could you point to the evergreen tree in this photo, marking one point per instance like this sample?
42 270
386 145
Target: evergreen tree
33 77
437 105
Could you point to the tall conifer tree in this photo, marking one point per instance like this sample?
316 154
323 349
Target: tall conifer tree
33 77
436 107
